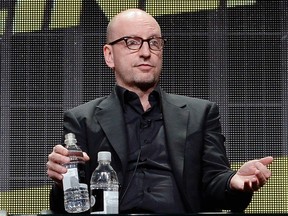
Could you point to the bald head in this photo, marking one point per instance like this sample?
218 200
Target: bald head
131 18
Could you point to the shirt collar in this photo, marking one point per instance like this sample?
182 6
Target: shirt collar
125 95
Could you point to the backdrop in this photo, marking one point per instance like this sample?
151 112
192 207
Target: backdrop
233 52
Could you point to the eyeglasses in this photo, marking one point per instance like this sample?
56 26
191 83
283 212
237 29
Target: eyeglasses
135 43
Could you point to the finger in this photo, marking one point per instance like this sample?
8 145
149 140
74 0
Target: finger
263 169
60 150
57 177
55 171
255 185
85 156
60 158
247 186
55 167
262 180
266 160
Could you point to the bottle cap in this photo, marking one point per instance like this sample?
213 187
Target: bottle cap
70 139
104 156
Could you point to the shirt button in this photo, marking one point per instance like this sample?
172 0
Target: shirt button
149 190
146 141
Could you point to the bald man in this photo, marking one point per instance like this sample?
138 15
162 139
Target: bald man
168 150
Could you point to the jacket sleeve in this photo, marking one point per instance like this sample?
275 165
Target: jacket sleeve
216 169
56 201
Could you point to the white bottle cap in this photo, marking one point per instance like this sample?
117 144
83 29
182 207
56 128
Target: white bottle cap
70 139
104 156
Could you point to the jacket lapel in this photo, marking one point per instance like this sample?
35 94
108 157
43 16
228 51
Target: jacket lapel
110 117
175 121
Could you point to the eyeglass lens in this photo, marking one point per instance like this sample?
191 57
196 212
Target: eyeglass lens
136 43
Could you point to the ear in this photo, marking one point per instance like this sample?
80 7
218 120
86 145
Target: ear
108 55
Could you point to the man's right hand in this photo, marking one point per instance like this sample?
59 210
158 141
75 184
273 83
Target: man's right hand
56 159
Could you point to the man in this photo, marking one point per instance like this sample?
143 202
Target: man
167 150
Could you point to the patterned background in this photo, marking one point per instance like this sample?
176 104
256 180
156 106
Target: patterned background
233 52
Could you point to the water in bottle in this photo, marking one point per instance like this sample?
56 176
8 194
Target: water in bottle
76 195
104 187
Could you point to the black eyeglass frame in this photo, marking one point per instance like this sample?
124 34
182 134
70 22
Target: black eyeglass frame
125 38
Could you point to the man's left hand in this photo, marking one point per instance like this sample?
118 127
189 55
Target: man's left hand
252 175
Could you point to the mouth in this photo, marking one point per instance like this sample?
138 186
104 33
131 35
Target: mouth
145 67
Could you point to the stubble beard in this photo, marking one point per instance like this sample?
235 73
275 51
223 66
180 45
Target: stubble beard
144 86
147 84
141 83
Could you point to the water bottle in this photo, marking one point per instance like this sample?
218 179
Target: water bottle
104 187
76 194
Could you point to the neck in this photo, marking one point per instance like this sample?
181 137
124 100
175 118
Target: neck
145 102
143 95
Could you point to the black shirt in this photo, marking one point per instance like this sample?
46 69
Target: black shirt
149 185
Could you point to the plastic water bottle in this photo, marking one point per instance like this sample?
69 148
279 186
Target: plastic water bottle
104 187
76 195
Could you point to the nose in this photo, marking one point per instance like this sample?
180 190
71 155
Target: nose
145 49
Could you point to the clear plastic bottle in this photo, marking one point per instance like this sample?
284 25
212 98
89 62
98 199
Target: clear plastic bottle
104 187
76 194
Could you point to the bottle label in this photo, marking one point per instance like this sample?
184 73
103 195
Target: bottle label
70 179
104 202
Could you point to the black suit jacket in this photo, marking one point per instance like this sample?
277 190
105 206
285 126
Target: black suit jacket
194 141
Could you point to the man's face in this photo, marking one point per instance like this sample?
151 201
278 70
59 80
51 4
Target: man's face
135 68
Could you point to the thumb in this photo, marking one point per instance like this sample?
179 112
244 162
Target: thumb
266 160
85 156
